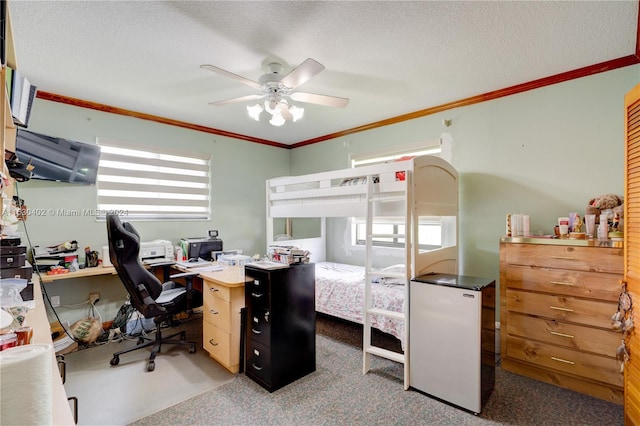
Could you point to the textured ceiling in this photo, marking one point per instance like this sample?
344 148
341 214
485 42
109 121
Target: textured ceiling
389 58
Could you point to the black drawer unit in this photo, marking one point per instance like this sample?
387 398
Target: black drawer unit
280 333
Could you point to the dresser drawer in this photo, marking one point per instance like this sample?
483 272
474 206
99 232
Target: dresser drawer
218 343
211 288
572 336
259 362
596 259
259 327
216 311
581 311
596 367
594 285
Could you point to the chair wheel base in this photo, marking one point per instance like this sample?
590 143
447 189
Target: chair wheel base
192 349
115 360
151 366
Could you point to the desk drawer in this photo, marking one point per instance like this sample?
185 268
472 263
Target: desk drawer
596 367
570 309
572 336
218 343
563 281
12 261
259 362
259 328
216 290
256 280
12 250
216 311
596 259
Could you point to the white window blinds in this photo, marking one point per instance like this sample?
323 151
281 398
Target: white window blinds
150 183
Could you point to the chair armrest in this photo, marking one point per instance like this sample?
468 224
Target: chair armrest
151 308
184 275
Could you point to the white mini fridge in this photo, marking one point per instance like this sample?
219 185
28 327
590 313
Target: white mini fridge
452 338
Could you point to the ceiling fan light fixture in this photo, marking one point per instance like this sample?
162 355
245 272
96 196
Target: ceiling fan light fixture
274 86
254 111
296 112
277 120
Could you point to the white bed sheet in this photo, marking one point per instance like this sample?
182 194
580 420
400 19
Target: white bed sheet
340 293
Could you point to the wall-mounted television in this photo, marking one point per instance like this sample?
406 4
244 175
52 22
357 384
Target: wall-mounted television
58 159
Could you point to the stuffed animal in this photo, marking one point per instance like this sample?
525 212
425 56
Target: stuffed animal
607 202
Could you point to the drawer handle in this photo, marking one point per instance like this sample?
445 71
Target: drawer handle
256 295
254 331
555 333
557 308
256 367
563 360
213 289
563 257
212 343
561 283
214 312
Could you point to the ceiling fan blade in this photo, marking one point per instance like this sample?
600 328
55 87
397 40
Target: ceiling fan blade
302 73
231 75
236 100
312 98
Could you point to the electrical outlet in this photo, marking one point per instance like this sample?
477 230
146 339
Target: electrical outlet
94 297
55 301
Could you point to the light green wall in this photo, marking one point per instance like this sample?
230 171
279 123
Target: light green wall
545 152
239 171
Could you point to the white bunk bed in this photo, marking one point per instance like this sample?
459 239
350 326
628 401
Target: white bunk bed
422 188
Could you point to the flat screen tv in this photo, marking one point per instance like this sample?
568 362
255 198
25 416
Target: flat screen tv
58 159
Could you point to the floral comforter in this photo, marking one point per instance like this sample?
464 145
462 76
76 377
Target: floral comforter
340 293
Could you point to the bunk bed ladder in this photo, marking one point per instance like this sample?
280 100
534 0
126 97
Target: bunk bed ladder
368 348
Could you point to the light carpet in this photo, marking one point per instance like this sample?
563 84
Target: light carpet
337 393
127 392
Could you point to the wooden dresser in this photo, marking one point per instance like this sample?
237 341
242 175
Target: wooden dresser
223 300
556 302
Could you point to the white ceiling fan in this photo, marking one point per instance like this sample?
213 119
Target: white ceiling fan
275 87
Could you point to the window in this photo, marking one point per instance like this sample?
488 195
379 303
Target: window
150 183
429 233
429 230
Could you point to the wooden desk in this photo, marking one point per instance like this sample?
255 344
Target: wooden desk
37 319
82 273
223 293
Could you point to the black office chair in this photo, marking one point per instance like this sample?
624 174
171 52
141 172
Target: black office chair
147 294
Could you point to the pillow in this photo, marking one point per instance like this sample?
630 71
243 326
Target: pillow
394 269
391 280
358 180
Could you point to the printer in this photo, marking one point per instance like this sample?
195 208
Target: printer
202 247
156 250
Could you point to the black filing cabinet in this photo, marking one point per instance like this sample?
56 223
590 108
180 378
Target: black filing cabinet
280 333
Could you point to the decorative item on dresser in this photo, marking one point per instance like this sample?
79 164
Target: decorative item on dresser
281 324
556 302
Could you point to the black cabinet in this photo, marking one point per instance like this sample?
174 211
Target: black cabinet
280 333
